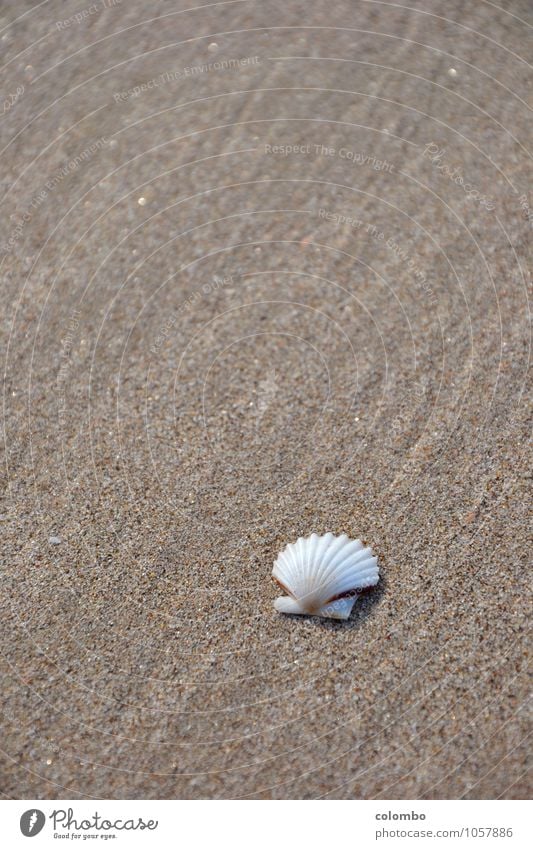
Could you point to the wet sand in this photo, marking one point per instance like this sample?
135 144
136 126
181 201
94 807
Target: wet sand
265 272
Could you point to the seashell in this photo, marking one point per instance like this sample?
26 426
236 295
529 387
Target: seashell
323 574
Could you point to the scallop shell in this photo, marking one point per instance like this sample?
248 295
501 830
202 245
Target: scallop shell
322 575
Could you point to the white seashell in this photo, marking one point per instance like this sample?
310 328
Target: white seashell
322 575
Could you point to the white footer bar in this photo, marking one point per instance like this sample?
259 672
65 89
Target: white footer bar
256 824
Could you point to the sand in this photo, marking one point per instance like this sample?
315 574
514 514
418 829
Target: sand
265 273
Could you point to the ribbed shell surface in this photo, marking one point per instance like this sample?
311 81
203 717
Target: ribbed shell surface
315 570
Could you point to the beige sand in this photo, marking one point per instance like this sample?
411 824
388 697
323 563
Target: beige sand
273 342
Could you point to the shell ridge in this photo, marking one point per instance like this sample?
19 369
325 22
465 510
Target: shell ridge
313 558
302 570
319 590
338 568
298 573
337 543
323 550
355 575
339 562
348 565
352 549
280 567
309 550
293 571
284 569
348 584
318 554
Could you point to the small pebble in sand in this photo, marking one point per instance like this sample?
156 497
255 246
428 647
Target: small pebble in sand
55 540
